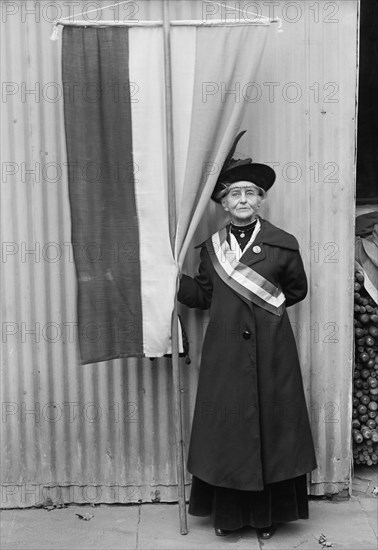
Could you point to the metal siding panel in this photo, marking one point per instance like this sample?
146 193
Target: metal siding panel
333 128
310 55
109 424
128 451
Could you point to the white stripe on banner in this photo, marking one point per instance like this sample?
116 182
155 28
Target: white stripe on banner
184 47
158 270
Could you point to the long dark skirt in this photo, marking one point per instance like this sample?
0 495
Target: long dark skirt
232 509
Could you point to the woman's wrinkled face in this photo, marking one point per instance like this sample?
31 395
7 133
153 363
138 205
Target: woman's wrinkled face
242 202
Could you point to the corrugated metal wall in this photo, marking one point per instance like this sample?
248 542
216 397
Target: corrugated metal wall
103 433
309 129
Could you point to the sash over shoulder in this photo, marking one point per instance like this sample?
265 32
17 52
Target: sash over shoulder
243 279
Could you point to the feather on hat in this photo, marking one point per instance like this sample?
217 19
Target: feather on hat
234 170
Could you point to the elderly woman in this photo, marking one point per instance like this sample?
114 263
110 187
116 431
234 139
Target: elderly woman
251 443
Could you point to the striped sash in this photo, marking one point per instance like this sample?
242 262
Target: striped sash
241 278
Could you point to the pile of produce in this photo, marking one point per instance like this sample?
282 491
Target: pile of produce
365 388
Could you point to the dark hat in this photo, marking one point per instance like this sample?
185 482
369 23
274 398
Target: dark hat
234 170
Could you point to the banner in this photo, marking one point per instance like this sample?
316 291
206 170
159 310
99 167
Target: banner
115 121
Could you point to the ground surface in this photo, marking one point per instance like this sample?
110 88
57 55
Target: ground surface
347 524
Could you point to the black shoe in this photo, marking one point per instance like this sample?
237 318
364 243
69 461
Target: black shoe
266 532
221 532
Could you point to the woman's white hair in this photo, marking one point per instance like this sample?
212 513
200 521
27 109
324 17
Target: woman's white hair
226 187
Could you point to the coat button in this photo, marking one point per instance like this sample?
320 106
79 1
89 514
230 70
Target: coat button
246 335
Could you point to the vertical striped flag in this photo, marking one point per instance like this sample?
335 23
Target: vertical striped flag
115 121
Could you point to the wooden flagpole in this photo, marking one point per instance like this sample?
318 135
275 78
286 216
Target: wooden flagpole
178 421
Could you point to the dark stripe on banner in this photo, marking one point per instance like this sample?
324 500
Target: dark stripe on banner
237 287
105 238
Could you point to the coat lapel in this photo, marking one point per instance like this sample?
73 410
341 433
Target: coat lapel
271 235
251 256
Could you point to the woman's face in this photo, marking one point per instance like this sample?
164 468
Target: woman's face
242 202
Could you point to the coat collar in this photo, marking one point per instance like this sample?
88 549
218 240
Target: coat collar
272 235
268 234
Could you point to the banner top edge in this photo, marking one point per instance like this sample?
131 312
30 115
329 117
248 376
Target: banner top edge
219 23
82 23
178 22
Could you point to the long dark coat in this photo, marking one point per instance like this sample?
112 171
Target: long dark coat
250 424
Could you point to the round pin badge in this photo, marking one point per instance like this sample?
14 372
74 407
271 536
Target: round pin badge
256 249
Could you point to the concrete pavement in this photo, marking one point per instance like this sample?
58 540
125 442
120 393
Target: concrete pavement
348 524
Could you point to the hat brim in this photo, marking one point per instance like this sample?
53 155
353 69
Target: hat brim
260 174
